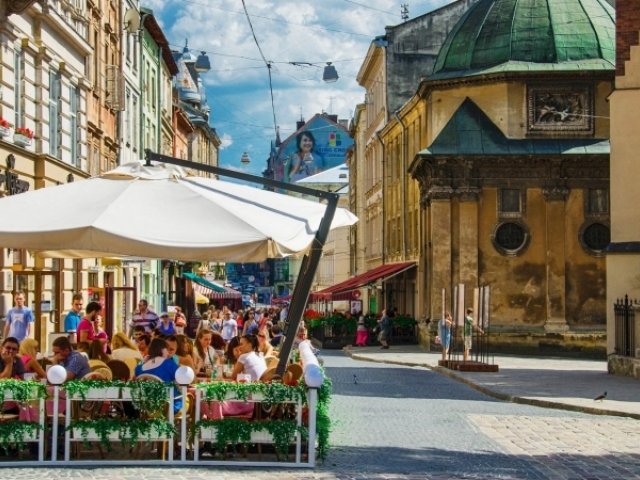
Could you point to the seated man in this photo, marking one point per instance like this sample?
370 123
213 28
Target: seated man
76 364
11 365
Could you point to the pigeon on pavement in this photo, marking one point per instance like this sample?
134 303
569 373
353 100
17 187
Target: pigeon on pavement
600 398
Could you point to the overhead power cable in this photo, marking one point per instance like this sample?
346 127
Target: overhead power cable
267 63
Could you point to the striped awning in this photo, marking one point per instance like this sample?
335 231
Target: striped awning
211 289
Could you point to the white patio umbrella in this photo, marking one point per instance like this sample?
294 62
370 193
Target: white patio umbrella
161 212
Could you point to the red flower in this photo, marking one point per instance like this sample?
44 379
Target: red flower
25 131
4 123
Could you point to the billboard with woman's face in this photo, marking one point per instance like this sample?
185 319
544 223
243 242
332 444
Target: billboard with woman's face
322 144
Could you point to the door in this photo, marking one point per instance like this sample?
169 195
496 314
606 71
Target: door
43 295
120 302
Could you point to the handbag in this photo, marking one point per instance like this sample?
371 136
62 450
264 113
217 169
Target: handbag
438 340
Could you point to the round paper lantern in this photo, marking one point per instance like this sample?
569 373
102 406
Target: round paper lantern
56 375
313 376
184 375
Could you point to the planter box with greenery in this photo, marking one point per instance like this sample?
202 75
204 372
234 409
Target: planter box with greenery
127 431
151 399
281 433
21 390
28 395
233 431
16 433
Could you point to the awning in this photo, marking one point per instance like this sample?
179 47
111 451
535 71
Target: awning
383 272
211 289
201 299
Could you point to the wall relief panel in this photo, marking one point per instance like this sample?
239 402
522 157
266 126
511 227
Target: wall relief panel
560 110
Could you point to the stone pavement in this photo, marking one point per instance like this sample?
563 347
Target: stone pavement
553 382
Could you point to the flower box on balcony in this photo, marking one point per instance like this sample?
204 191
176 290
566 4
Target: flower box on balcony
21 140
4 131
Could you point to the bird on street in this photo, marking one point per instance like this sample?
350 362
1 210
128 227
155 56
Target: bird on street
600 398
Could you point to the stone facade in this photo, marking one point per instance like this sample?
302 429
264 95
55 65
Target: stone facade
623 257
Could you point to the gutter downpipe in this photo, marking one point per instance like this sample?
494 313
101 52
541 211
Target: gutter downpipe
405 145
384 256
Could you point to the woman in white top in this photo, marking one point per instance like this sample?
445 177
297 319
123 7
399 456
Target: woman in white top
249 361
204 355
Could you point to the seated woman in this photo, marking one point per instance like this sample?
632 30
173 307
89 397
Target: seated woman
123 348
265 349
204 355
238 347
159 364
178 352
232 353
29 355
96 351
249 361
143 345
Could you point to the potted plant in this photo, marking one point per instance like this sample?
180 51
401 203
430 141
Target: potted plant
5 127
22 136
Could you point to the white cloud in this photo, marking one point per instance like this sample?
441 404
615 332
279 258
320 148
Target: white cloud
287 31
226 140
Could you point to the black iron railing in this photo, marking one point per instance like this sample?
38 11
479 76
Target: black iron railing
625 326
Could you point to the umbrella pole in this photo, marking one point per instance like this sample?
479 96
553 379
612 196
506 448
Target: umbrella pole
310 261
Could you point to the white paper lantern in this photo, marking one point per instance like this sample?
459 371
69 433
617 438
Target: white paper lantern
184 375
313 376
57 375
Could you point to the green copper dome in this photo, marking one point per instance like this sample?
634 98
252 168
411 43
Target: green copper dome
530 35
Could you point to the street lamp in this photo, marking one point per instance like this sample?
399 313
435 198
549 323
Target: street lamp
244 159
330 74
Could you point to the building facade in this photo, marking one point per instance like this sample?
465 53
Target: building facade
85 86
43 107
623 255
390 228
514 181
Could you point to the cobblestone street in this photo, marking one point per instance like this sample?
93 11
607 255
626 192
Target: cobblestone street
410 423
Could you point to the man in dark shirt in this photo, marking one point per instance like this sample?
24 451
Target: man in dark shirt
11 365
76 364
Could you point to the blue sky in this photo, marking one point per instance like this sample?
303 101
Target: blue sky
320 31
